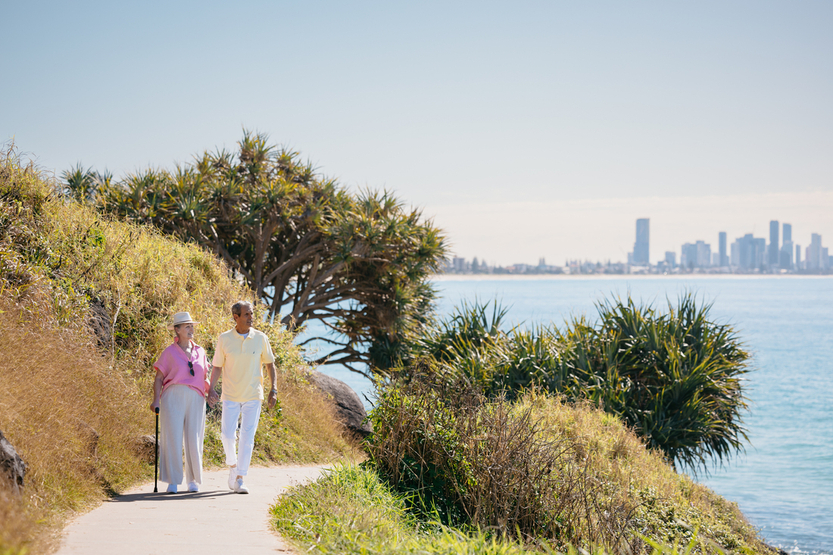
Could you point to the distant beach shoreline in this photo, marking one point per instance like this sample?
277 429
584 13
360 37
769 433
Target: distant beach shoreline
602 277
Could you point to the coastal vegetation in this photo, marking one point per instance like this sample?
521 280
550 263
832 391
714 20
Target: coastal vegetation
309 248
540 469
352 511
485 439
497 440
674 377
456 472
545 440
84 300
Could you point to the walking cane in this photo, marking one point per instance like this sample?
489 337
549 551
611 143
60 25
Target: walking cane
156 455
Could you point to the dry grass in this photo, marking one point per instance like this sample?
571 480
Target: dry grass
75 403
71 418
663 504
16 525
540 469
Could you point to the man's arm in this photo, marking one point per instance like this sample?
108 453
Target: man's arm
216 372
273 375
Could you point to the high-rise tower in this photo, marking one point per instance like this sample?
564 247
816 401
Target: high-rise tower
641 249
774 244
721 249
786 258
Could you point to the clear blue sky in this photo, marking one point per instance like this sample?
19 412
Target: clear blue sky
527 128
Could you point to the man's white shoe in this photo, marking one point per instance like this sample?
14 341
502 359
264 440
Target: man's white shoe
171 488
232 478
240 487
193 487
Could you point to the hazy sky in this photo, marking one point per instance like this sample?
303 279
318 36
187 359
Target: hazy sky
526 129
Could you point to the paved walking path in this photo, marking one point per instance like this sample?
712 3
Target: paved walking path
215 520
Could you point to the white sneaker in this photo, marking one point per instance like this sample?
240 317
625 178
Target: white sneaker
171 488
232 478
240 487
193 487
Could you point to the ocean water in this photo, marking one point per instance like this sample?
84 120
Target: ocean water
784 481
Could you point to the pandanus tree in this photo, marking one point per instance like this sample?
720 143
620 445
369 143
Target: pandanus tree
312 250
675 376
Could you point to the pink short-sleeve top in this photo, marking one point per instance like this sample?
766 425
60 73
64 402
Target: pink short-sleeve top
173 365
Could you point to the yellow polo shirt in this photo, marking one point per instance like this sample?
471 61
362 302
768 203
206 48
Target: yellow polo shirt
242 361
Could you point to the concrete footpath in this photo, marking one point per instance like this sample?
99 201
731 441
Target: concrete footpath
214 520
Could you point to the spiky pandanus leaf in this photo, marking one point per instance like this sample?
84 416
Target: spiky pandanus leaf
675 377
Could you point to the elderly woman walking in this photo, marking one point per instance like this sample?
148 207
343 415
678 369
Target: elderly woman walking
179 392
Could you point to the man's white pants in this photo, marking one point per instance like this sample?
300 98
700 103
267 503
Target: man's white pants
181 417
248 414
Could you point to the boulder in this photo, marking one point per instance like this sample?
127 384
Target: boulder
12 466
145 448
349 407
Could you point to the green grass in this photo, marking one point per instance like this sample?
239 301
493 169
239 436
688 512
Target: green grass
351 511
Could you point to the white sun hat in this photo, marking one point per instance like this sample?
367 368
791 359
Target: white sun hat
182 318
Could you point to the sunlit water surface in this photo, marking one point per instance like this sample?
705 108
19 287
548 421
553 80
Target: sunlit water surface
784 481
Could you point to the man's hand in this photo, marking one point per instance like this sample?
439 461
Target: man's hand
216 372
212 398
154 406
273 398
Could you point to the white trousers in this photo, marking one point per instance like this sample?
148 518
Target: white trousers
248 414
181 418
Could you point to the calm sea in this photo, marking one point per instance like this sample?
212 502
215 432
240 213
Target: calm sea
784 481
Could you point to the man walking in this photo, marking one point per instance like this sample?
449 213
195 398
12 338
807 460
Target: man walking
239 357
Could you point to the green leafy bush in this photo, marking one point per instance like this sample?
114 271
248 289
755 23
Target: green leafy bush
675 377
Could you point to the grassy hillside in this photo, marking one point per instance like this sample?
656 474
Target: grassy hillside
75 401
537 475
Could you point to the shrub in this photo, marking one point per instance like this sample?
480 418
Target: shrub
539 470
674 377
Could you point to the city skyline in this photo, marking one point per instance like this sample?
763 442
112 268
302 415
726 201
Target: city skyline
603 229
746 254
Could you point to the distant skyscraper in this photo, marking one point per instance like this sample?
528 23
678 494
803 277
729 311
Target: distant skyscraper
723 260
774 244
786 259
641 250
760 252
814 252
671 258
688 256
696 255
798 257
704 254
749 251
